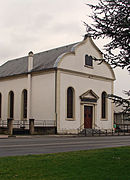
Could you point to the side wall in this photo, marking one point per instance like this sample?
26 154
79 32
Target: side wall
16 84
43 95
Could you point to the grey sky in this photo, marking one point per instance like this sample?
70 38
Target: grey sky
39 25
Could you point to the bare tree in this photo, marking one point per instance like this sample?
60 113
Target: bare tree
112 20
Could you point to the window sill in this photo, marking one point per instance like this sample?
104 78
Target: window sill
24 119
70 119
88 66
104 119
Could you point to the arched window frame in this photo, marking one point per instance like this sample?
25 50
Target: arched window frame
70 103
11 105
24 104
0 105
104 105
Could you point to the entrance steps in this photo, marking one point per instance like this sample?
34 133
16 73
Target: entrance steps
89 132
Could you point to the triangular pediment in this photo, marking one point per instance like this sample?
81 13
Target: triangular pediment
89 95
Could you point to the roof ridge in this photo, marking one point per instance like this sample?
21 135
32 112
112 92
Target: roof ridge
57 48
42 60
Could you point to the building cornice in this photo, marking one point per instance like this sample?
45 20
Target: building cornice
82 74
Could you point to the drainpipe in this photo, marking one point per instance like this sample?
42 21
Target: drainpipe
29 96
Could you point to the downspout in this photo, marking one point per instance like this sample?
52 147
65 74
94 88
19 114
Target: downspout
29 95
56 97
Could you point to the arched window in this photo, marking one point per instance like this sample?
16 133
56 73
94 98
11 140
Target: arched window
24 104
70 102
103 105
11 104
0 104
88 60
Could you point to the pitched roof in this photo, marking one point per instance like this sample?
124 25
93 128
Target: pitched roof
43 60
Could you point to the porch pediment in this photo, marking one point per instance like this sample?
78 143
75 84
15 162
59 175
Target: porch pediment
89 96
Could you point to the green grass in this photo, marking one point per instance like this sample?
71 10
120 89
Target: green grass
104 164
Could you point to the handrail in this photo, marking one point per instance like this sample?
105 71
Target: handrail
96 126
80 128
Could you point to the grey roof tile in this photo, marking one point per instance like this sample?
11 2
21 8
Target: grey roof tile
42 61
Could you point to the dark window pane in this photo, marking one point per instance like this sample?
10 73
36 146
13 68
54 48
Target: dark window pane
70 103
11 98
103 105
25 104
88 60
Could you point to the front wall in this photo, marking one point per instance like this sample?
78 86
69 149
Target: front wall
76 61
75 74
81 85
16 84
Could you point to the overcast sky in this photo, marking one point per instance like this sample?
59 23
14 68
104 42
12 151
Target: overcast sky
38 25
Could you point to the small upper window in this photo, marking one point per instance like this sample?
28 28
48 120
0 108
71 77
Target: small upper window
88 60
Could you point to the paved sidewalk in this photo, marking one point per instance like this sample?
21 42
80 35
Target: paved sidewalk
3 136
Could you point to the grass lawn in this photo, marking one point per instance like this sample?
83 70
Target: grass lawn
104 164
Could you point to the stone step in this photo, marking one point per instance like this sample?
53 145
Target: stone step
87 131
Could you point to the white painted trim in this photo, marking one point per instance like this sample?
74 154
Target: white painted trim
58 59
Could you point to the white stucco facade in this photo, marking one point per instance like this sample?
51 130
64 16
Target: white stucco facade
99 78
80 85
43 96
17 85
47 90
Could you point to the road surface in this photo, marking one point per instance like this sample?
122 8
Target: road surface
53 144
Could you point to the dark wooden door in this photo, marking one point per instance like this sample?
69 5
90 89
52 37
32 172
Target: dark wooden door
88 116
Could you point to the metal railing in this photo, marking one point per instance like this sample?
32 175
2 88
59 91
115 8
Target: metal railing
121 129
45 123
20 123
81 128
104 132
24 123
30 126
3 123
